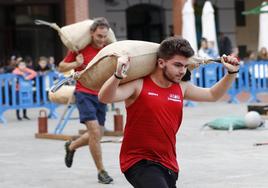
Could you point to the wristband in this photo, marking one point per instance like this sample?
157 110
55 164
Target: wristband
118 77
229 72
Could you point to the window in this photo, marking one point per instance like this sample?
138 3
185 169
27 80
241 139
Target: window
239 8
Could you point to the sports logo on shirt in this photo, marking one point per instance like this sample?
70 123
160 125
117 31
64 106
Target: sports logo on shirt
174 97
152 93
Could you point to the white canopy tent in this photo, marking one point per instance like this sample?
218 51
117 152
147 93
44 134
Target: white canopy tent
188 24
263 27
208 24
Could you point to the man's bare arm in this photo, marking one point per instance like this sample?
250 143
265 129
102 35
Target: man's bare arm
112 92
64 66
214 93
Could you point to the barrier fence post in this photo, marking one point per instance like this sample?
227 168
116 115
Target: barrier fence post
42 122
118 120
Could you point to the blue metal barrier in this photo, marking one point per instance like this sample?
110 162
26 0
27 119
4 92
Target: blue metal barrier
252 78
18 93
66 116
256 79
208 75
237 86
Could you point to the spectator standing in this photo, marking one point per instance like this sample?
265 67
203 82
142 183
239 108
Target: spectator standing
27 74
42 70
29 62
51 63
11 64
2 70
205 50
225 45
263 54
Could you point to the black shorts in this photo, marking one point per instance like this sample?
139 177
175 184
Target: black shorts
90 108
149 174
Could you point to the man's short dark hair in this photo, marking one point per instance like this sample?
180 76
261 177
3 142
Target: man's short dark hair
187 76
174 46
204 39
99 22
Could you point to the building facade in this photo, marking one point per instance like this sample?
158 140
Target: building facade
153 20
149 20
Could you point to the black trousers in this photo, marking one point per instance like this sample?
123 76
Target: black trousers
149 174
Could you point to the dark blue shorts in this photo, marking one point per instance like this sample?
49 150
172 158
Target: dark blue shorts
90 108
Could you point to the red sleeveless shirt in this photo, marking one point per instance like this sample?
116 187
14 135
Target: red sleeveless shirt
88 53
152 123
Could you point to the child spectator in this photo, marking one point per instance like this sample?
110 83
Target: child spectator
51 63
29 62
42 70
27 74
11 65
263 54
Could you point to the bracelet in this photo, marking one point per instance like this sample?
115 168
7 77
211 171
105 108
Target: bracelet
229 72
118 77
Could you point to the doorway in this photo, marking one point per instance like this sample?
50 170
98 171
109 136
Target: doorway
145 22
20 36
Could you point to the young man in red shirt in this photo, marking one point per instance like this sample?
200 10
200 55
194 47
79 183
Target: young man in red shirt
154 107
91 111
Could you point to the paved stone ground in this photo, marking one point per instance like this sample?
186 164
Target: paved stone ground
208 158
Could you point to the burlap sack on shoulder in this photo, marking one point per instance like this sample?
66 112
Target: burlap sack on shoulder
65 95
77 35
142 62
